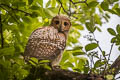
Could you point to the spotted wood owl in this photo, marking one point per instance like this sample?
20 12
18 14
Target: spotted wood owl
48 43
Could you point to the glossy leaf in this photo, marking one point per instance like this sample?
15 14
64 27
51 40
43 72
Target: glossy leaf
104 6
30 2
93 4
111 11
98 63
98 29
113 39
7 51
111 31
89 27
91 46
68 64
118 28
53 3
97 19
78 26
34 7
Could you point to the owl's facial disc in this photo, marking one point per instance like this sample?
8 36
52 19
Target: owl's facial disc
62 23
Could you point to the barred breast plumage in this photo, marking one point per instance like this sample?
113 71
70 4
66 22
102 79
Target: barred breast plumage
45 43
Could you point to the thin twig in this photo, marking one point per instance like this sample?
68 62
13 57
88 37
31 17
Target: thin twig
10 14
1 32
63 7
104 71
98 45
15 9
110 51
79 2
59 10
69 8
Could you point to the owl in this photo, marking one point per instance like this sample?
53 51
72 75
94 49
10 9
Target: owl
49 42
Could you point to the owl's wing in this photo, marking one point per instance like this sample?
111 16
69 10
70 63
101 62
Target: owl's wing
44 43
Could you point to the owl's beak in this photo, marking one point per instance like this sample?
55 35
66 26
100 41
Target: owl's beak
60 28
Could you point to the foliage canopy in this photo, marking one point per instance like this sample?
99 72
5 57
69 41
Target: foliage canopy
18 18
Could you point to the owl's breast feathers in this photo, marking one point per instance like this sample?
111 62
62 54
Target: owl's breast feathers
49 35
45 43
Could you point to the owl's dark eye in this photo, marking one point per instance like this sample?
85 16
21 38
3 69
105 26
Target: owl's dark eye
56 22
65 23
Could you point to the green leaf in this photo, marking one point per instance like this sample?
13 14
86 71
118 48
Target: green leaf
53 3
98 29
104 6
111 11
98 64
111 31
109 77
34 59
34 14
41 2
115 0
3 12
77 48
44 61
47 67
91 46
118 37
7 51
65 57
118 11
30 2
93 4
119 48
115 6
68 64
77 52
78 26
118 28
48 3
89 27
81 63
113 39
19 3
107 15
34 7
26 19
97 19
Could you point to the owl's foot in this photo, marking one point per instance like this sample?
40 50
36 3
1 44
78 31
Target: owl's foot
55 67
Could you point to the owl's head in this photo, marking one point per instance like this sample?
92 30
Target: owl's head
61 23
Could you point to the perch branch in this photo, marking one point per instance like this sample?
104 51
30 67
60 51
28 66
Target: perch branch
59 74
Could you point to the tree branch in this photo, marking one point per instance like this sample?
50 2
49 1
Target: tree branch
115 67
59 74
